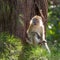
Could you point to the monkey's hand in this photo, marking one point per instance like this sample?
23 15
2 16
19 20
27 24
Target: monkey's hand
28 41
44 41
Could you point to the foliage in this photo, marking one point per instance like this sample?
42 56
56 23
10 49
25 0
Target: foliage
53 31
10 47
31 52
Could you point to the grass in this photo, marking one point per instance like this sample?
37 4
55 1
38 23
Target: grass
11 48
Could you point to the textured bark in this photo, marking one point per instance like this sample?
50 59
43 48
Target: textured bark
8 16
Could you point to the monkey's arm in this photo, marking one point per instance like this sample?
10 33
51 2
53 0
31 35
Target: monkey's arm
28 38
44 40
43 34
29 29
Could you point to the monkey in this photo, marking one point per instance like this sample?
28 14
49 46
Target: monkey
36 32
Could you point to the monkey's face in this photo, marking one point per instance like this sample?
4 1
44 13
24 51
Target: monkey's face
35 21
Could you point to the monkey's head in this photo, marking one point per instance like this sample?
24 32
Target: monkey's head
36 20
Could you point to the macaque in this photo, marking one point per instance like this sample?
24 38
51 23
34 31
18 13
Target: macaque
36 32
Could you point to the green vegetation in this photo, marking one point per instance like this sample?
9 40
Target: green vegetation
53 32
10 47
30 52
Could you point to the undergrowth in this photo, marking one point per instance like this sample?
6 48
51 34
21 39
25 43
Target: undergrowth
11 48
